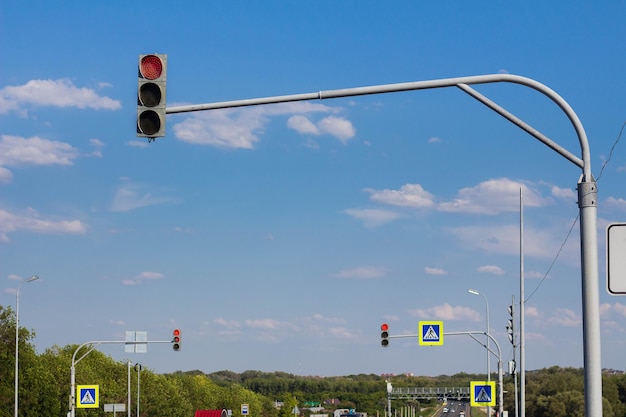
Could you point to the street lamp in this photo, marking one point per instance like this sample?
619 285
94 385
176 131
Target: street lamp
138 368
17 336
471 291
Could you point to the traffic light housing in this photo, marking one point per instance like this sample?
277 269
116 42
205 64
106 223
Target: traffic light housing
510 329
384 335
176 339
151 81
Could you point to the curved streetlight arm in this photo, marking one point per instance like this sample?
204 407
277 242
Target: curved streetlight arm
460 82
587 195
498 355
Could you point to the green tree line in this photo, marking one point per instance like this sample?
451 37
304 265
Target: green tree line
44 387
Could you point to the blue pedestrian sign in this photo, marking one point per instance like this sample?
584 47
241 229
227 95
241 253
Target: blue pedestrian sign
430 333
483 393
87 396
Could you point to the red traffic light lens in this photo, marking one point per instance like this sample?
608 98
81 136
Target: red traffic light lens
384 327
176 339
151 67
176 332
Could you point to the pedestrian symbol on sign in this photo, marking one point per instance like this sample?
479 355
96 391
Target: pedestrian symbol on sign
87 396
483 393
430 333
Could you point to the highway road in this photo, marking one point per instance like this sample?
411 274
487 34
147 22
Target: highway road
455 408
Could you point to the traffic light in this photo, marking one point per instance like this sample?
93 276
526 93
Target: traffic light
176 339
384 335
151 95
510 330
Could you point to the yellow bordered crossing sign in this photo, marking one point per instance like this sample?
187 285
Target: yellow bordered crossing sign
483 393
87 396
430 333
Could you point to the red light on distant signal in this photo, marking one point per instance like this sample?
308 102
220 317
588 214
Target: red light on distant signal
176 339
384 335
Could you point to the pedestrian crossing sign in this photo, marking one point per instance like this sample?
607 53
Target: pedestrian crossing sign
430 333
483 393
87 396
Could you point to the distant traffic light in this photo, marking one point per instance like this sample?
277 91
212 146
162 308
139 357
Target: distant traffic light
384 335
176 339
151 95
510 330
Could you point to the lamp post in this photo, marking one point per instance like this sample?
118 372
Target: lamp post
472 291
17 337
138 369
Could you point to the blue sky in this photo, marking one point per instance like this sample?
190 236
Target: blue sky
280 237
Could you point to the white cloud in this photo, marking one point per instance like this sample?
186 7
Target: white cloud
372 217
222 128
609 310
618 203
302 125
435 271
363 272
53 93
143 277
31 221
539 243
131 196
226 323
342 129
493 197
268 324
240 128
565 317
332 125
6 176
409 195
446 312
564 193
491 269
16 150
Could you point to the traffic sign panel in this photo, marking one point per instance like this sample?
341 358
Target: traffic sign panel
87 396
430 333
244 409
483 393
615 259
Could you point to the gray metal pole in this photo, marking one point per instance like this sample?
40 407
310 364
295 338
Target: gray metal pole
17 340
587 192
522 297
472 291
128 406
138 368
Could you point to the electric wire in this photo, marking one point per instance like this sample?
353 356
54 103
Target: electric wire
569 233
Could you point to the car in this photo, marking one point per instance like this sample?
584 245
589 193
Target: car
445 409
462 414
